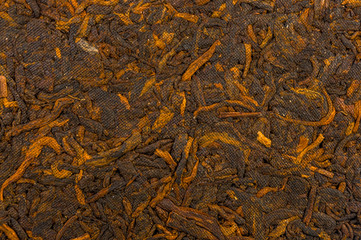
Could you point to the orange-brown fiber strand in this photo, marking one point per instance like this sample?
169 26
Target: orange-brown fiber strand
239 114
358 114
352 3
205 108
32 153
59 105
3 87
310 147
265 190
68 223
248 48
324 121
242 104
85 236
251 33
321 171
9 232
200 61
190 178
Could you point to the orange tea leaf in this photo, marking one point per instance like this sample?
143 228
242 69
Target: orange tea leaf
200 61
125 19
188 17
59 174
9 232
263 139
124 100
33 152
85 236
79 195
218 136
3 87
302 144
310 147
165 116
248 59
149 83
265 190
281 228
166 157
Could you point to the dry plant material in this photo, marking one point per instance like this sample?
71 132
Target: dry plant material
180 119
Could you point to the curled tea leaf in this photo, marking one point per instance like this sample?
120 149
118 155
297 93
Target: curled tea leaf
200 61
281 228
165 116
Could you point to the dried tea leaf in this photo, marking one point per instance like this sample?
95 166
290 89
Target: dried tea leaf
209 138
10 20
281 228
141 207
79 195
127 206
148 84
86 46
324 121
59 174
248 48
9 232
141 7
81 155
358 114
32 153
302 144
322 171
85 236
349 128
219 12
166 157
184 103
162 192
83 29
188 17
165 116
263 139
205 109
201 2
125 19
3 87
265 190
124 100
99 194
189 179
251 33
323 235
59 105
267 38
158 42
352 3
353 87
200 61
310 147
167 37
304 18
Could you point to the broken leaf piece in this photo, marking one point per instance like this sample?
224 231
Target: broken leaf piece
165 116
281 228
200 61
214 136
263 139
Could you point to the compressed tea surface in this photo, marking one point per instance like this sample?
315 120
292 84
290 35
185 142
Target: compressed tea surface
180 119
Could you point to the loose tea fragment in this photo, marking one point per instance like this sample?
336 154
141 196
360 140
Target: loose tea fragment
200 61
3 87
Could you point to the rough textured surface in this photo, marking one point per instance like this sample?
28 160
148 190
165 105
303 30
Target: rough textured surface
180 119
